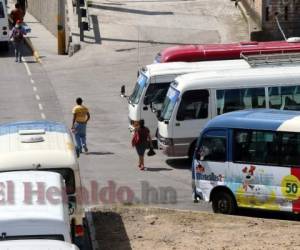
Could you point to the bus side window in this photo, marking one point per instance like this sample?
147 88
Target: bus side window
194 105
257 147
237 99
213 147
290 149
284 98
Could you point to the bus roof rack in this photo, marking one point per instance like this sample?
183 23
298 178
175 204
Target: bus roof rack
264 58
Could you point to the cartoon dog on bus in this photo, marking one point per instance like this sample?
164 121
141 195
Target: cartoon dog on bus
248 178
251 194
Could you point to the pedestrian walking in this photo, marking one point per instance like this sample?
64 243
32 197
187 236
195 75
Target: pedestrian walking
16 14
17 35
81 116
140 140
23 5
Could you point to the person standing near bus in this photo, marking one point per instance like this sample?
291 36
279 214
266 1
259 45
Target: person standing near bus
81 116
140 140
23 5
16 14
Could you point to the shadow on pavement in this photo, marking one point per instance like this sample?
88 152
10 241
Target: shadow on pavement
110 231
96 29
157 169
128 40
9 51
268 214
132 11
182 163
100 153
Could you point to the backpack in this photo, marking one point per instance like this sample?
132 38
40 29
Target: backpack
18 35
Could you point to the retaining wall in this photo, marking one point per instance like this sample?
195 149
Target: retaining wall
46 12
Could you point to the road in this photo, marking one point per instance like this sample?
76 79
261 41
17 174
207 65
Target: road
124 36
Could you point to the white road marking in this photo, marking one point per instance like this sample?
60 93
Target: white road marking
26 66
34 87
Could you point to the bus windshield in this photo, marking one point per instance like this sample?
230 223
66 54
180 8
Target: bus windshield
138 89
169 104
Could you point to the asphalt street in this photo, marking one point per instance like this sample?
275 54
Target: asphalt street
124 35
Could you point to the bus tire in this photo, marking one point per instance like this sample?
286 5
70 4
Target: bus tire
224 203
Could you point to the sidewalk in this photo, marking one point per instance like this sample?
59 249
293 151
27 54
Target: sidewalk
40 40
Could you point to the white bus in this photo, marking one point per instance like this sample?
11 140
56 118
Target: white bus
33 206
36 245
46 146
194 99
4 25
154 81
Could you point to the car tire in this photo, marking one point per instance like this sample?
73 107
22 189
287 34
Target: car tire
224 203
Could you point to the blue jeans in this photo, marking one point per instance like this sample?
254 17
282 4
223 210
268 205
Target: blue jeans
80 136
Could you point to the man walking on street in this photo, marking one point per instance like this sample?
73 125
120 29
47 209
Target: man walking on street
81 116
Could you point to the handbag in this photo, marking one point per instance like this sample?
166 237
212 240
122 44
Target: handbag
135 139
151 152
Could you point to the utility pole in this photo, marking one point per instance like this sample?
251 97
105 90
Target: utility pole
61 44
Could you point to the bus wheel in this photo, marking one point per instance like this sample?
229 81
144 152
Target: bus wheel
224 203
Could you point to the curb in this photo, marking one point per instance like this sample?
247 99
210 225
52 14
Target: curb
34 52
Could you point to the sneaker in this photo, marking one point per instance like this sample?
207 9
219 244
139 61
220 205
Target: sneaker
16 59
85 149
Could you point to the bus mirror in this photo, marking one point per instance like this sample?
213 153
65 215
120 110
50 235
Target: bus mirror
158 113
123 91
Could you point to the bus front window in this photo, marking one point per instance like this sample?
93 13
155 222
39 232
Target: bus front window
138 89
169 104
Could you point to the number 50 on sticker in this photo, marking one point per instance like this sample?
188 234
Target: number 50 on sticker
290 187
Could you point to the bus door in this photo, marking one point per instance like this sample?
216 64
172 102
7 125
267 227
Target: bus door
192 114
210 164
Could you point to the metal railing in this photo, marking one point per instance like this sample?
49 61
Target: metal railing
264 58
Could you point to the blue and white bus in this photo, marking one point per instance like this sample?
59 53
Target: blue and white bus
249 159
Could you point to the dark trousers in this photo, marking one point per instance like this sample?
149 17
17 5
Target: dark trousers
19 49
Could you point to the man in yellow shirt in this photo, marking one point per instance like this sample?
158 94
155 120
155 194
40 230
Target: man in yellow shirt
81 116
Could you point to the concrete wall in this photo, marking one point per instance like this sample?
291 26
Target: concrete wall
288 14
264 13
46 12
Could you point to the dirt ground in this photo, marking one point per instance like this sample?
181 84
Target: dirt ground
154 228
